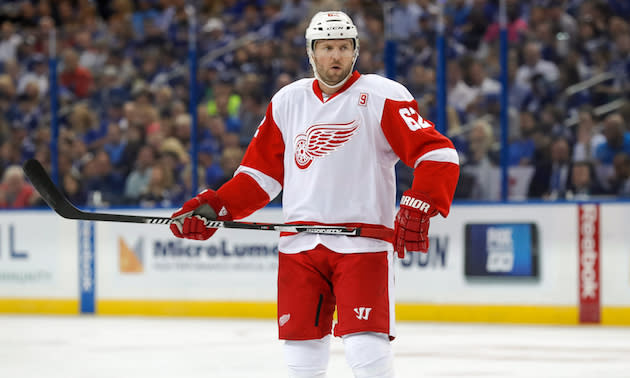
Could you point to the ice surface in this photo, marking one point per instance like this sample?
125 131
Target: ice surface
138 347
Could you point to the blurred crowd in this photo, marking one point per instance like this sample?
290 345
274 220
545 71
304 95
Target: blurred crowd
124 101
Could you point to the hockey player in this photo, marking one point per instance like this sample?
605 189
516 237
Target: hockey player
331 143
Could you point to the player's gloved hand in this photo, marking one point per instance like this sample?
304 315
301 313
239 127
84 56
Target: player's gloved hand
411 229
190 222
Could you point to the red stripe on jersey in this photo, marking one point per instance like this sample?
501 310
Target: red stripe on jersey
266 150
437 180
411 137
242 195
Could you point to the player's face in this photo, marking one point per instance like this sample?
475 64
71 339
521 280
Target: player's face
333 59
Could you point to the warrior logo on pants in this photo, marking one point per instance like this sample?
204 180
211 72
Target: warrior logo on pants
362 312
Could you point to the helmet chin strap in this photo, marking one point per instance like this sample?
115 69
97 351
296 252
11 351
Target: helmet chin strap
339 84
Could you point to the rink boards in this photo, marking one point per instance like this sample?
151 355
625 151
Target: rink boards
526 263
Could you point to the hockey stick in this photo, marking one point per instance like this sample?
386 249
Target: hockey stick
62 206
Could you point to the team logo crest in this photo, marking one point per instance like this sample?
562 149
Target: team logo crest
320 140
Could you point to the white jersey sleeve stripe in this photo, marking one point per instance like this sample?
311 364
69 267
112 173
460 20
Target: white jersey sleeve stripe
267 183
445 155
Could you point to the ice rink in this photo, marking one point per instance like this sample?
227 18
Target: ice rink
135 347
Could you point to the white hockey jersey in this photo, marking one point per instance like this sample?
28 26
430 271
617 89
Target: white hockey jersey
334 158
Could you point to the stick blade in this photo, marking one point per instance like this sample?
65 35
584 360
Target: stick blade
62 206
38 176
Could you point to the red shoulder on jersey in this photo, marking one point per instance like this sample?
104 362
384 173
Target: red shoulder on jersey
417 143
243 194
266 150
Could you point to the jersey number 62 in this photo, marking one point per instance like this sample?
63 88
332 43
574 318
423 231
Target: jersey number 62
407 115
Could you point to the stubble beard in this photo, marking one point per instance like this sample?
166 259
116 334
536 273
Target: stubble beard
330 77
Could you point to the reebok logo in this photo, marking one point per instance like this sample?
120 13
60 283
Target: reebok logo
223 211
415 203
362 312
589 254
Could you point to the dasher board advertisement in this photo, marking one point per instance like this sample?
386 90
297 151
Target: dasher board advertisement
501 250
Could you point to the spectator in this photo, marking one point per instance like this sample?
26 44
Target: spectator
84 123
92 53
230 139
478 80
273 20
73 190
74 77
155 137
230 160
109 94
144 20
552 177
474 24
588 138
9 42
173 146
620 64
282 80
163 99
294 11
518 92
184 190
516 27
584 184
15 192
404 18
160 190
533 65
551 122
620 181
617 139
226 105
9 155
590 40
209 160
138 180
28 113
38 74
480 166
216 129
214 36
134 140
115 145
182 128
562 21
460 94
104 186
540 96
12 70
523 146
543 32
251 113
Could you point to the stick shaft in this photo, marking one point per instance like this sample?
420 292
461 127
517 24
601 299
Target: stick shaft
62 206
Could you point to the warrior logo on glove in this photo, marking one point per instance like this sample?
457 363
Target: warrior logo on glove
195 220
411 230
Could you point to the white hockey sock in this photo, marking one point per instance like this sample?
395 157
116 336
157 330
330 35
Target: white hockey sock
369 354
307 358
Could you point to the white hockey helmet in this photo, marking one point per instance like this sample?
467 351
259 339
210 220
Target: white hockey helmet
331 25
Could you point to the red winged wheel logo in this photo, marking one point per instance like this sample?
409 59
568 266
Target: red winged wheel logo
320 140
